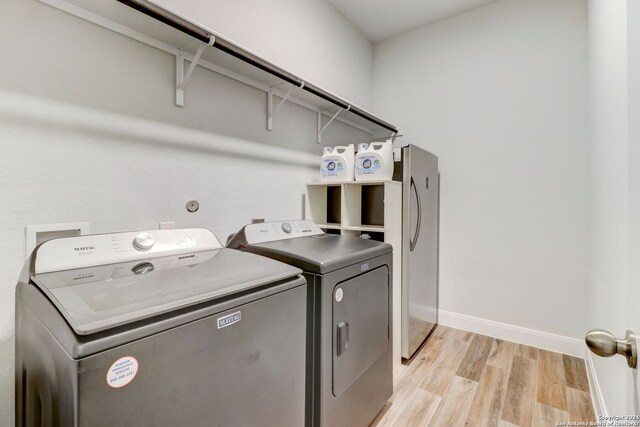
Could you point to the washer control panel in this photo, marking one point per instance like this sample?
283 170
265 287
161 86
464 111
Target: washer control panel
102 249
279 230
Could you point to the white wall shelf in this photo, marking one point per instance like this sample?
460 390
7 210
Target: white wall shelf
373 208
176 35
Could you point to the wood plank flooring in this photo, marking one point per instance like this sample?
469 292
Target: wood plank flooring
463 379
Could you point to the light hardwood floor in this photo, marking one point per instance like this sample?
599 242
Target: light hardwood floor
463 379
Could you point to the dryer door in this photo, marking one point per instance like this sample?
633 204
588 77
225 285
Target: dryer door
360 326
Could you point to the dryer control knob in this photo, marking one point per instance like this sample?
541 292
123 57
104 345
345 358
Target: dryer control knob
144 241
286 227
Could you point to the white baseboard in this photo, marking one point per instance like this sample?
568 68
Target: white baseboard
596 392
545 340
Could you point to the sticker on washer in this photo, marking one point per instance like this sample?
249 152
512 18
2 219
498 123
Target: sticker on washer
122 372
339 294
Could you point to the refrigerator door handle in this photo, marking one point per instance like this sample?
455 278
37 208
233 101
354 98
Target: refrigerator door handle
414 241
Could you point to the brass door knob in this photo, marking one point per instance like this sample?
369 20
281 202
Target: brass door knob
604 344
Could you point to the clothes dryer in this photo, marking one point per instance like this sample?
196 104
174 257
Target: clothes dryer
349 354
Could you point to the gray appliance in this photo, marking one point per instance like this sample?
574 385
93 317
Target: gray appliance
418 171
159 328
349 369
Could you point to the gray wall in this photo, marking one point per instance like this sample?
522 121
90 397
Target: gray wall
500 94
88 132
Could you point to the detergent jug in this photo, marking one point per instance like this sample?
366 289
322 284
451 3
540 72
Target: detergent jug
337 163
374 162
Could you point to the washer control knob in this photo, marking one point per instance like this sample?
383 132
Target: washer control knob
286 227
144 241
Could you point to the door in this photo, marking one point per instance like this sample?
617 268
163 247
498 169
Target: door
360 326
419 247
615 44
633 284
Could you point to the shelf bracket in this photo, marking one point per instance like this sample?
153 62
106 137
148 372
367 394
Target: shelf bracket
323 128
270 110
395 135
392 137
182 78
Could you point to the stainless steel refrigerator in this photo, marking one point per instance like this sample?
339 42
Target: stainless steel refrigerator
418 170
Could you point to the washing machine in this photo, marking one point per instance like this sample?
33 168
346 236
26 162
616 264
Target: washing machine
349 363
158 328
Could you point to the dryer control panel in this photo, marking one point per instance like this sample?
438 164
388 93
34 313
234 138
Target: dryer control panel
272 231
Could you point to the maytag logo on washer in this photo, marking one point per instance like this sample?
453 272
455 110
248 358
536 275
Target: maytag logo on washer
229 319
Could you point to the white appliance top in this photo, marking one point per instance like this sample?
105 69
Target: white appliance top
279 230
101 249
103 281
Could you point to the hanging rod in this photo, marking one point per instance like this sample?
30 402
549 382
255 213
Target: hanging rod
187 27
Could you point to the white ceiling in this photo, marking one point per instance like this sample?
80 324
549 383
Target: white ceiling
381 19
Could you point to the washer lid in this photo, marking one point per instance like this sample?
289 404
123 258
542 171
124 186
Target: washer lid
98 298
322 254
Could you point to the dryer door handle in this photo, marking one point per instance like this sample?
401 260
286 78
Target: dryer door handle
343 337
